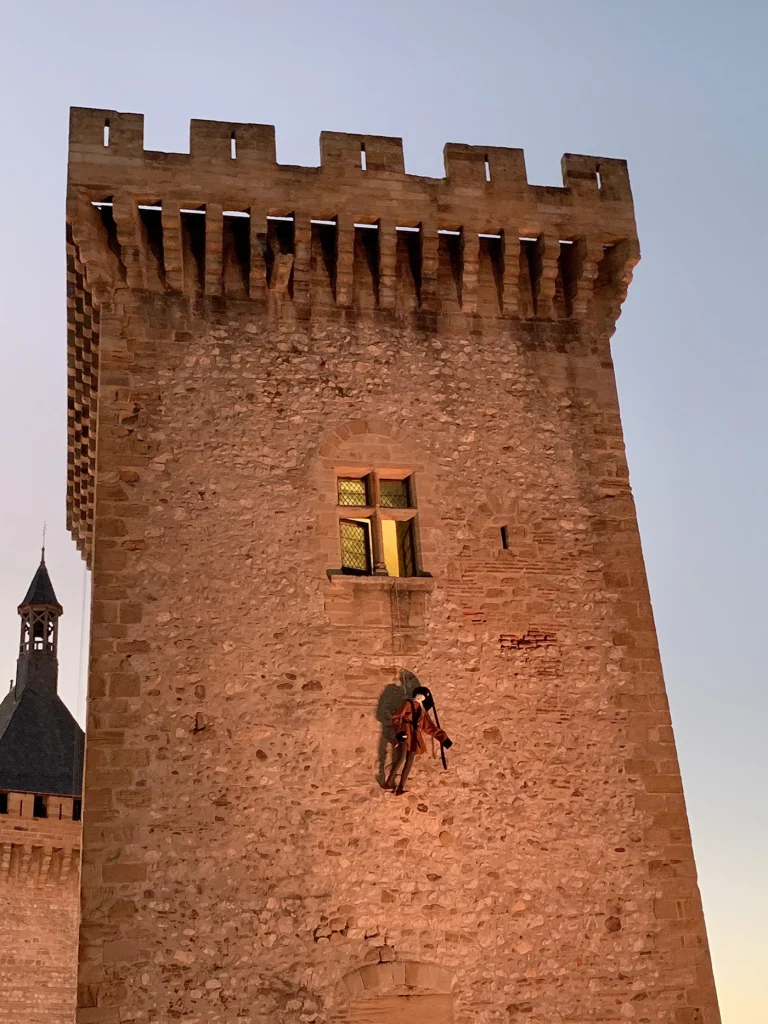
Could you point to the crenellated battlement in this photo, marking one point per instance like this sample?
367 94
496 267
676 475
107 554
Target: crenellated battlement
39 850
114 140
513 249
40 846
481 240
226 220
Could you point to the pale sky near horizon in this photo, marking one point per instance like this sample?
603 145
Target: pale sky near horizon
678 89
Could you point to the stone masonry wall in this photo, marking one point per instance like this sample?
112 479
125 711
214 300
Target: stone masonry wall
241 862
39 914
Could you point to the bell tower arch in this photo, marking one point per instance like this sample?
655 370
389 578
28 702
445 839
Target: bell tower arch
39 612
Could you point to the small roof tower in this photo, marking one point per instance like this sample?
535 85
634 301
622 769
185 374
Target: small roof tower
41 744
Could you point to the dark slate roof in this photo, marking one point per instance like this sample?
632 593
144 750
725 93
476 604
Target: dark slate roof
40 589
41 745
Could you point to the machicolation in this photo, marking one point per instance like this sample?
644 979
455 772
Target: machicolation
226 220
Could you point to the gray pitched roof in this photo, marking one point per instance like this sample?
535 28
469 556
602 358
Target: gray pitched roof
41 745
41 589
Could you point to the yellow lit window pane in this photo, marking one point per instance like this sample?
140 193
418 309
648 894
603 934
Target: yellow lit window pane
352 492
397 540
389 542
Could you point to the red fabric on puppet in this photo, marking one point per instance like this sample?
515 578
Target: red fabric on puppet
412 722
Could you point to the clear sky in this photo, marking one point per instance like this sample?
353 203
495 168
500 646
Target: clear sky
678 88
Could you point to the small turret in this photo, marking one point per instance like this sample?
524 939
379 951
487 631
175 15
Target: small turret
41 744
38 643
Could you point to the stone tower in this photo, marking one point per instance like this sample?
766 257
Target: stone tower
334 430
41 770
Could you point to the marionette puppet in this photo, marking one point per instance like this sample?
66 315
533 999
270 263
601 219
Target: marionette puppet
412 723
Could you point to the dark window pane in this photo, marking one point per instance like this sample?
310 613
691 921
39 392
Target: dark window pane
39 810
353 492
394 494
405 550
355 547
77 810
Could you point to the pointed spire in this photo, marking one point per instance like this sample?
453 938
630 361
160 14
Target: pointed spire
41 744
41 590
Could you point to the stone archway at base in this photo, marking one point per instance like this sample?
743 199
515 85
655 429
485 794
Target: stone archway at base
427 1009
397 992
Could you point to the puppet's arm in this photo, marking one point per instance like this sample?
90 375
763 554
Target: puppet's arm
431 730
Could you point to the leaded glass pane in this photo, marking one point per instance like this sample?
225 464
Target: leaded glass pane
394 494
353 492
405 548
355 546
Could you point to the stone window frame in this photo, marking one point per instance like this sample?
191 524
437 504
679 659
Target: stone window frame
376 512
368 442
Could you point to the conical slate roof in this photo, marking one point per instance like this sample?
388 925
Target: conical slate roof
41 745
41 589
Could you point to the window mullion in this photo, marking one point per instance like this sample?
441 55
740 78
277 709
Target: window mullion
376 489
379 565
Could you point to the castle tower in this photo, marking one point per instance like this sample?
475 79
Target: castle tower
358 430
41 763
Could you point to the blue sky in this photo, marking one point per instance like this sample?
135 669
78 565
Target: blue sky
678 89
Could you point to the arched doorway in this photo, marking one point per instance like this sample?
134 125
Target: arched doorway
400 992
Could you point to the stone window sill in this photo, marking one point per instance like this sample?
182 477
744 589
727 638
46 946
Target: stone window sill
413 583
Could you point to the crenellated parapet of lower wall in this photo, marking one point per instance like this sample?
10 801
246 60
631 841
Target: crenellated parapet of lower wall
40 850
40 843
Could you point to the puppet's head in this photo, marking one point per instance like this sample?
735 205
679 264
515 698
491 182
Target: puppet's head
424 696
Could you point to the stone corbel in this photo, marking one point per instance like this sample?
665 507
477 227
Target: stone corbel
102 267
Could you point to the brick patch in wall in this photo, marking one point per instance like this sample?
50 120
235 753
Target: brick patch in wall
531 639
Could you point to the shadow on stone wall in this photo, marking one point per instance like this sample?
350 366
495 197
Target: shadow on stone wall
390 699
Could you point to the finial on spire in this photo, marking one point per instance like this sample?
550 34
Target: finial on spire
45 527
